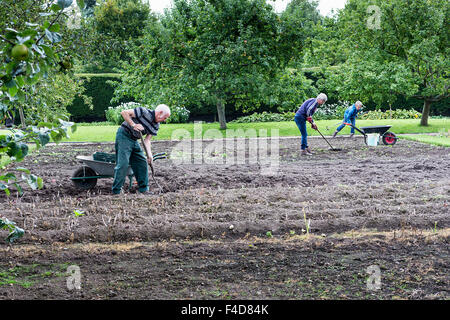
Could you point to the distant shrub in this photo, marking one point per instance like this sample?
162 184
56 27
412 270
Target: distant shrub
98 88
266 117
178 115
394 114
113 113
331 111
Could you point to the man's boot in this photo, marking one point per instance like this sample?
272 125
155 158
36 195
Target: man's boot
305 153
308 150
334 134
351 135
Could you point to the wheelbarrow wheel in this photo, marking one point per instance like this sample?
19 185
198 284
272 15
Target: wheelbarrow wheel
84 184
389 138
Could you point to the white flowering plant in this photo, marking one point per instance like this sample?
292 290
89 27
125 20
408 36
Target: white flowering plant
177 114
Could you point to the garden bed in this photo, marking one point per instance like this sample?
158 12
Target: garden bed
220 230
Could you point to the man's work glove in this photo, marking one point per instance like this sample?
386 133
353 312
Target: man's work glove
310 120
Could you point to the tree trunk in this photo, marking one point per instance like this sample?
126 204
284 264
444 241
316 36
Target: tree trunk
221 114
425 113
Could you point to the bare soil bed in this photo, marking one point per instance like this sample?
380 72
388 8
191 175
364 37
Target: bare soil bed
306 229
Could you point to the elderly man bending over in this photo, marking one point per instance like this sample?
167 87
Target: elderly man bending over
128 151
305 113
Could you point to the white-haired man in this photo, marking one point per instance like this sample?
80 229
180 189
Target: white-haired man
350 118
305 113
137 121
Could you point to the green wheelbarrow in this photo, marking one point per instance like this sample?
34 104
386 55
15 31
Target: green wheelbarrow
98 166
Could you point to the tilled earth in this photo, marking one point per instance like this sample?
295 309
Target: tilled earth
239 219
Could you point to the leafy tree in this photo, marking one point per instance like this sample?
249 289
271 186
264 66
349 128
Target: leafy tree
288 89
53 95
298 27
398 47
87 7
114 27
217 51
29 55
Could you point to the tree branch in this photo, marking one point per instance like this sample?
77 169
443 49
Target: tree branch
52 23
9 41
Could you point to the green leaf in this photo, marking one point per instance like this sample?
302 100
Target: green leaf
16 234
38 49
54 28
55 8
19 188
48 51
44 138
11 84
32 181
40 183
64 3
23 170
13 91
20 81
65 124
56 136
21 40
80 4
52 36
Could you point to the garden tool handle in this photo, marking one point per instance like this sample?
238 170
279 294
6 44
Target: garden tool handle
146 152
325 139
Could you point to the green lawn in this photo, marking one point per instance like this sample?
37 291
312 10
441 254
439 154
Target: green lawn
105 133
439 140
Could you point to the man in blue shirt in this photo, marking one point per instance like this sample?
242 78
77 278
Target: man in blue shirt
305 113
350 117
128 150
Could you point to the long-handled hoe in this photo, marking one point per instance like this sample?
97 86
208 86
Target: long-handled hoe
332 149
151 163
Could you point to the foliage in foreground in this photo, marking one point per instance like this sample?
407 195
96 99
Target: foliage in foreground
30 58
32 54
14 231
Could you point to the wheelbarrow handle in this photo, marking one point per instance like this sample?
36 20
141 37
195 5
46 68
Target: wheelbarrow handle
158 158
160 154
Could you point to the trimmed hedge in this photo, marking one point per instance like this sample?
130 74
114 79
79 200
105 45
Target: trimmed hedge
101 93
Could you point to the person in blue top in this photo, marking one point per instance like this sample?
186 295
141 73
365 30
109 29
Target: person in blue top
350 118
305 113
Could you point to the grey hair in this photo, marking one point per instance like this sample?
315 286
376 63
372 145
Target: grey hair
322 96
164 108
358 103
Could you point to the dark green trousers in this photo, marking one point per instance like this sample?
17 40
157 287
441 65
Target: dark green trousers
129 153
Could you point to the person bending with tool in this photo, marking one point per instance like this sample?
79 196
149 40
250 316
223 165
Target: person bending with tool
350 118
305 113
139 121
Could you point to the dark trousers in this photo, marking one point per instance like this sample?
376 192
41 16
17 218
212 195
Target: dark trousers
129 153
347 120
300 121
